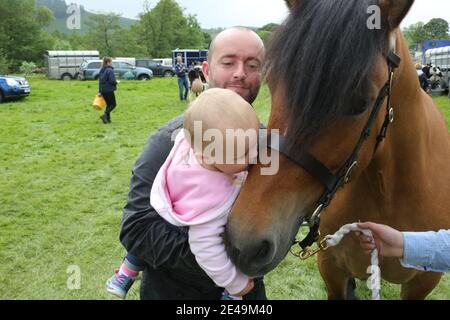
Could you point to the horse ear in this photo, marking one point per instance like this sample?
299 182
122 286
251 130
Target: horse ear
292 4
396 10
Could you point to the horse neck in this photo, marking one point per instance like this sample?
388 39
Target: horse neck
419 135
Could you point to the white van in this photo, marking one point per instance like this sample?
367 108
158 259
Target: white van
164 61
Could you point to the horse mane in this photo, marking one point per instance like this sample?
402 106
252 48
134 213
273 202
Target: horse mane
322 56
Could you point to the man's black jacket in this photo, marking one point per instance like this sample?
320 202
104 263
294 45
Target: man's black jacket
172 272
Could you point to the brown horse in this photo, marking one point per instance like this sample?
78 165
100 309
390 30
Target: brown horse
326 71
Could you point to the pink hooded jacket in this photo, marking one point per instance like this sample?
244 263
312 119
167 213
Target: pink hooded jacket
186 194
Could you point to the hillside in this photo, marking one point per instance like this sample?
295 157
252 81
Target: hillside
59 24
59 7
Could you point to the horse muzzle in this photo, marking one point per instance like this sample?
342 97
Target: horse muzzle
257 254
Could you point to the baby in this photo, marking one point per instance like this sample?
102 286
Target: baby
199 183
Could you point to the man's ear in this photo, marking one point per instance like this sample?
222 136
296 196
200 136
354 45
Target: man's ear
205 70
395 10
292 4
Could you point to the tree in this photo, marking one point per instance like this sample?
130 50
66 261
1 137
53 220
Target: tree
61 44
21 31
195 39
437 29
58 7
102 30
44 16
208 39
4 64
414 34
165 28
126 44
77 40
271 27
266 33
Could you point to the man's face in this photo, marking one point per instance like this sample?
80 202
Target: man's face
236 63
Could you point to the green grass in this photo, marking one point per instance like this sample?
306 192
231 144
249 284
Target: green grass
444 104
64 179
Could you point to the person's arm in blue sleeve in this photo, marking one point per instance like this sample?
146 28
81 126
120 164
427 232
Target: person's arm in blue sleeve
144 233
427 251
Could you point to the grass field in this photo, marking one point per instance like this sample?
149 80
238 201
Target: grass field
64 179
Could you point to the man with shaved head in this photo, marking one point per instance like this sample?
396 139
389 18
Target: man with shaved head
235 62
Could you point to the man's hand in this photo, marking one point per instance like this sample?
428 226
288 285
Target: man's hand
388 241
247 289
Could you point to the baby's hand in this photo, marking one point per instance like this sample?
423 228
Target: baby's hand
248 288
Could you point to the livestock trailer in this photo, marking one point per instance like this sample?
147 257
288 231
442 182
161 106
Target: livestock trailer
65 65
190 56
440 57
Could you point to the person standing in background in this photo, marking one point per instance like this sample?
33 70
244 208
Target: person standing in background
107 86
180 70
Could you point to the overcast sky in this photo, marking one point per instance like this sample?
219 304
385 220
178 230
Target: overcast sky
254 13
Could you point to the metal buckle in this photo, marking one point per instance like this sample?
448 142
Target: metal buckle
349 172
391 115
308 253
315 215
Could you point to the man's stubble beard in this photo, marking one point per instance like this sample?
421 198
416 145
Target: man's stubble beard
251 95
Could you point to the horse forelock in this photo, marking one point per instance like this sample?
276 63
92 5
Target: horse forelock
322 56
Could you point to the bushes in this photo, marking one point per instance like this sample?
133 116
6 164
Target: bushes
27 68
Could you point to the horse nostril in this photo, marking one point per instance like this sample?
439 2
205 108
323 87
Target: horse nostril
253 256
262 254
264 250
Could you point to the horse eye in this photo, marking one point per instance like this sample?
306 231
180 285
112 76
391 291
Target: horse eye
357 110
357 107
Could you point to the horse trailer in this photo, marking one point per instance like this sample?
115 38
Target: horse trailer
65 65
190 56
440 59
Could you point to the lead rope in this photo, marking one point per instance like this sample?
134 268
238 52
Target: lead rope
374 269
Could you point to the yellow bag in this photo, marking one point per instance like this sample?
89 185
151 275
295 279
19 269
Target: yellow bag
99 103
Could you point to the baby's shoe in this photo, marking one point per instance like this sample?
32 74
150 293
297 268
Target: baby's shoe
119 284
228 296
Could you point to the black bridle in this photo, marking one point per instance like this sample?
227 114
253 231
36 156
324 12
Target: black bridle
333 182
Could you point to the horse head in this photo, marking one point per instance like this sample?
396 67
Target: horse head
327 71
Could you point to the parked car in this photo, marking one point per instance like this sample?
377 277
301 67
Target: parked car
157 67
13 88
90 70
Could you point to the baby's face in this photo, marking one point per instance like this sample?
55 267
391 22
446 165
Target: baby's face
241 163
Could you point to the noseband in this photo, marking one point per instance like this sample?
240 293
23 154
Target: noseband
333 182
